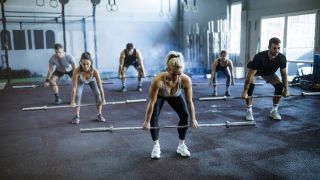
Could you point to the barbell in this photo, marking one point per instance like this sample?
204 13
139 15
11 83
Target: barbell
227 124
231 97
116 77
69 106
218 84
37 85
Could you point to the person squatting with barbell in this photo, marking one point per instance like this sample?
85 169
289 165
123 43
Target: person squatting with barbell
265 64
86 74
60 63
130 56
168 86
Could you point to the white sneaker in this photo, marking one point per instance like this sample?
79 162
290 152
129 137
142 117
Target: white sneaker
249 116
275 115
155 154
183 150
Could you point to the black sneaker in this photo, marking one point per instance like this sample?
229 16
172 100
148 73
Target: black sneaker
75 120
57 101
100 118
139 88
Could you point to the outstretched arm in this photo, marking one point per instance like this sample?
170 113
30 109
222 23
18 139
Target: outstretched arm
213 71
140 61
121 62
230 65
98 79
49 74
153 93
75 77
187 85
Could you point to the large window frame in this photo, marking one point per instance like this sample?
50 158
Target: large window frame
297 63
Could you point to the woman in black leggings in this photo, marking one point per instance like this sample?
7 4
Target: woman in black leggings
168 86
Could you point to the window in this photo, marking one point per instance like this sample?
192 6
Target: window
235 28
297 34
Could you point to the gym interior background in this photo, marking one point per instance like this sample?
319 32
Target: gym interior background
42 145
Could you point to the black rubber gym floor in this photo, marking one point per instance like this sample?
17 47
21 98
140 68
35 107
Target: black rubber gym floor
45 145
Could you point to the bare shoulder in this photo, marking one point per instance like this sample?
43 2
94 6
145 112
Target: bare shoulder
95 71
229 62
122 53
215 62
76 72
185 80
138 51
158 79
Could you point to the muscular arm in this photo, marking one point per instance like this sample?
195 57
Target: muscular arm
50 71
213 70
153 93
284 78
230 65
140 60
121 62
75 77
187 85
98 79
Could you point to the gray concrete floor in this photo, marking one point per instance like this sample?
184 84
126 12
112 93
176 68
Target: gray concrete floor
44 145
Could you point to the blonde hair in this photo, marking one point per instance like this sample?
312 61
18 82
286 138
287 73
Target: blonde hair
174 59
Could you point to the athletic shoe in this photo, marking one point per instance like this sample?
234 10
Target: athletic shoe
214 93
124 89
155 154
100 118
228 93
57 101
249 116
275 115
140 88
75 120
183 150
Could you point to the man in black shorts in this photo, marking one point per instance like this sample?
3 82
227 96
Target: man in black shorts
265 64
60 64
130 56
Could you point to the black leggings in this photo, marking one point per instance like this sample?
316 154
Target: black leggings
178 104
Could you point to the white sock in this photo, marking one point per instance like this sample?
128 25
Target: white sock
275 107
181 142
249 108
156 142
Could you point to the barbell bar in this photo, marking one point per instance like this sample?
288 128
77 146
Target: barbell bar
218 84
231 97
227 124
116 77
128 101
37 85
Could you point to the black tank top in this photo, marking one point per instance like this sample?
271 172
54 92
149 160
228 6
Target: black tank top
130 59
219 67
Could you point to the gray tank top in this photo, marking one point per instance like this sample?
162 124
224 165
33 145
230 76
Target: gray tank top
83 80
164 92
